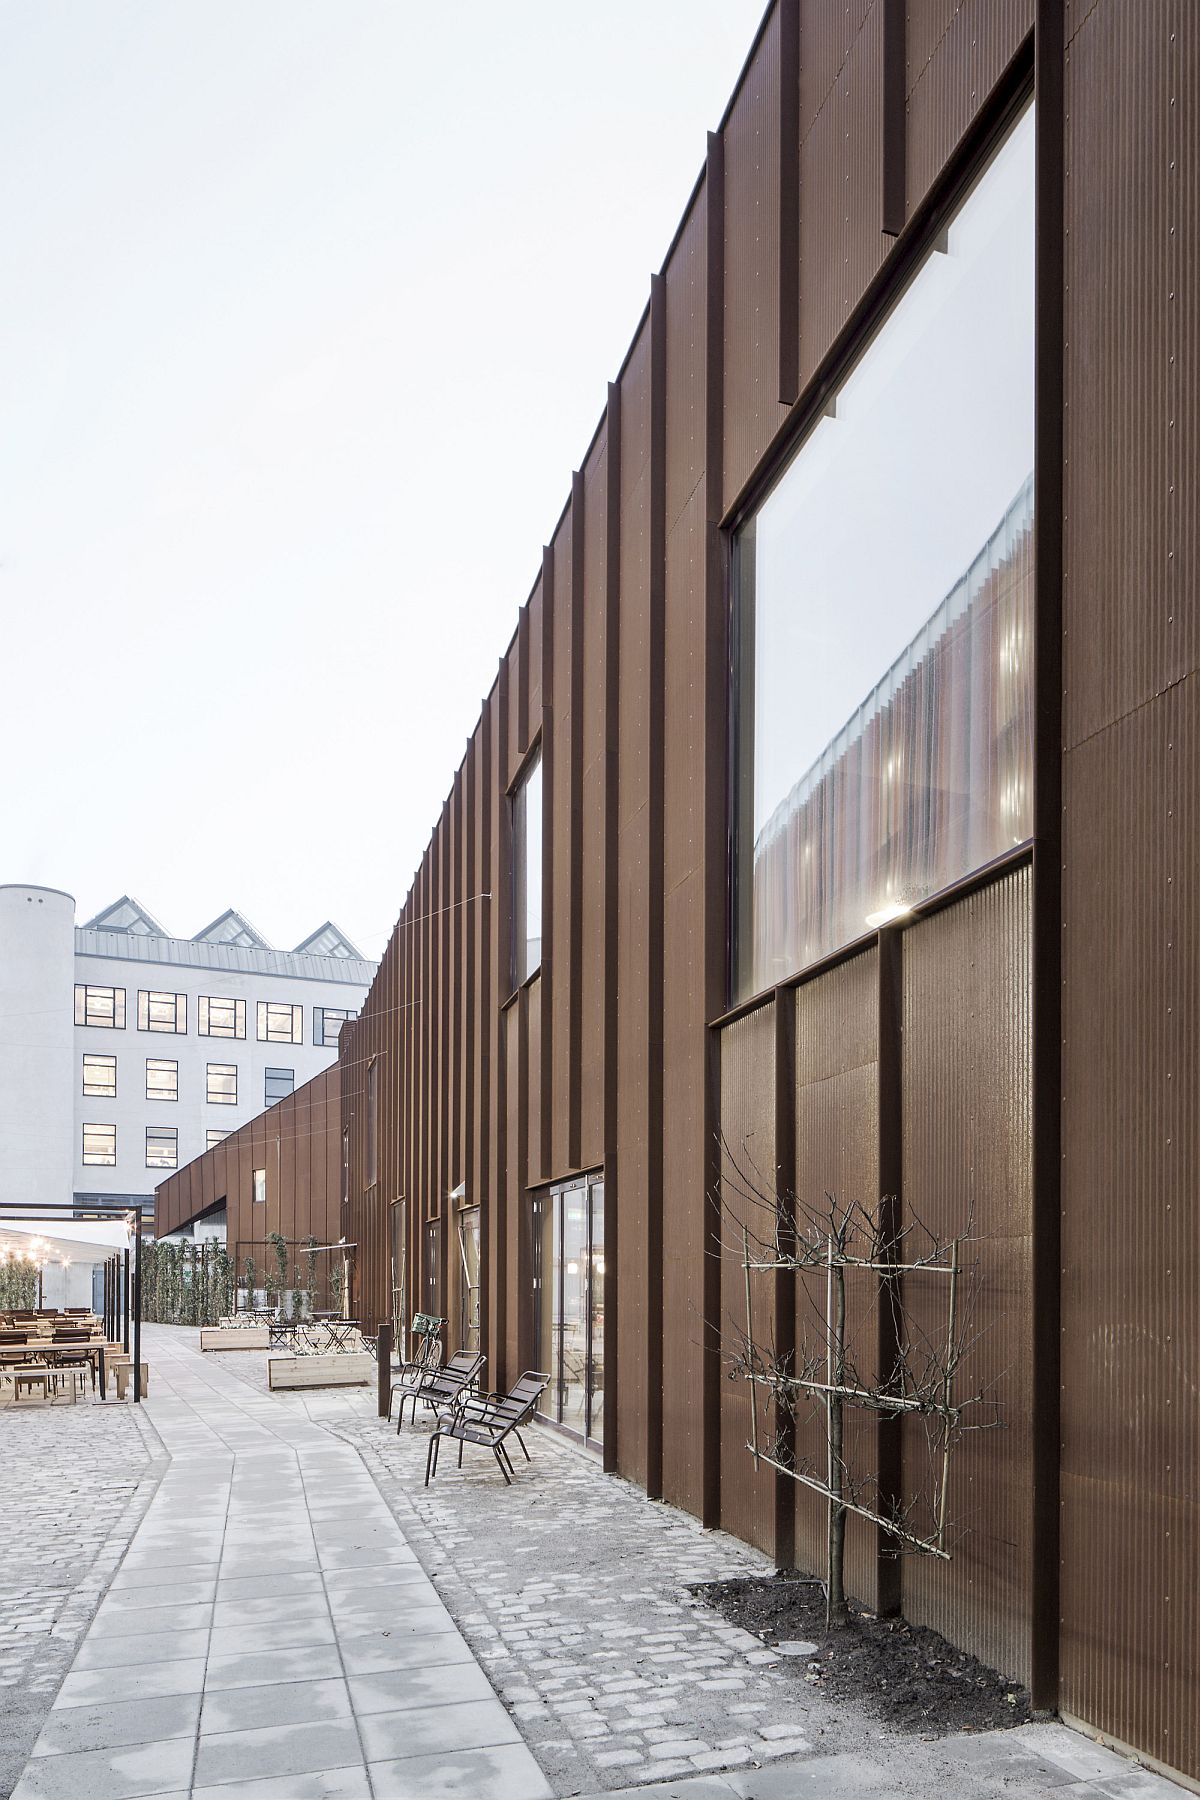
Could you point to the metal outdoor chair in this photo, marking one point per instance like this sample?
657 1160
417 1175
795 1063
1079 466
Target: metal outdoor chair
487 1419
425 1334
439 1388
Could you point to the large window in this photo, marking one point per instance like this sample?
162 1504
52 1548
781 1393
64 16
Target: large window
568 1283
328 1022
100 1006
469 1251
100 1146
372 1122
220 1018
162 1079
278 1085
161 1012
527 874
162 1146
884 595
280 1024
100 1076
221 1084
259 1179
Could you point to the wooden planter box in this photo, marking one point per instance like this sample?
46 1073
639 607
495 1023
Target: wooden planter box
351 1368
234 1337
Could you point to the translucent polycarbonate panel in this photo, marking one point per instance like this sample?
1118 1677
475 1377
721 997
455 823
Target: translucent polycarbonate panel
527 874
885 608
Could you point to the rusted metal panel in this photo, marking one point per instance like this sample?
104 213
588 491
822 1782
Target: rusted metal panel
561 803
594 793
752 410
1131 338
1131 1262
967 1170
748 1167
841 195
633 945
956 54
837 1154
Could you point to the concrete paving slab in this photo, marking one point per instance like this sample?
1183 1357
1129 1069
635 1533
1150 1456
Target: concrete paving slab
328 1784
505 1772
102 1651
144 1769
276 1750
285 1634
421 1730
309 1662
274 1703
109 1724
394 1689
133 1681
369 1652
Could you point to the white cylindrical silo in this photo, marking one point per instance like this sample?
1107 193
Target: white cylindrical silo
37 1049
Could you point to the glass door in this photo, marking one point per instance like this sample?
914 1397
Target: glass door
568 1272
399 1248
468 1244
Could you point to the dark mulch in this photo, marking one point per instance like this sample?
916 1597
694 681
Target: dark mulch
905 1674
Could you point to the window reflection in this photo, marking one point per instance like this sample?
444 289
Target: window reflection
527 874
885 609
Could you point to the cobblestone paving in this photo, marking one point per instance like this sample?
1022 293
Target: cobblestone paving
76 1481
572 1587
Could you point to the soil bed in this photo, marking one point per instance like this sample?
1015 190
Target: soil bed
905 1674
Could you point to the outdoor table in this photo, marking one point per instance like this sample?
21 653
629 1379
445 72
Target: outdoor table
96 1349
339 1330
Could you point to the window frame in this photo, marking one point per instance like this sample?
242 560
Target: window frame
343 1015
83 992
521 970
162 1134
220 1070
270 1099
106 1129
161 1064
964 170
95 1093
213 1137
146 1000
204 1024
263 1015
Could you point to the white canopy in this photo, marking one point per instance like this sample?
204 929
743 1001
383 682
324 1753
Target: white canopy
63 1240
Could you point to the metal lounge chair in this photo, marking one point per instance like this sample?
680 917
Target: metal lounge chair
440 1388
488 1419
425 1339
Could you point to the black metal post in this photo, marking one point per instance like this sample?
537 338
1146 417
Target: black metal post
137 1305
104 1291
125 1299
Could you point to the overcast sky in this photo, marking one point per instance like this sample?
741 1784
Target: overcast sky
308 310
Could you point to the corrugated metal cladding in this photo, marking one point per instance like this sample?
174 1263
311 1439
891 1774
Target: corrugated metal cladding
967 1091
298 1143
618 672
1131 899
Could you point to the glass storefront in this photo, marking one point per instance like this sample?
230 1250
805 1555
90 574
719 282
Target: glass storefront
884 608
568 1246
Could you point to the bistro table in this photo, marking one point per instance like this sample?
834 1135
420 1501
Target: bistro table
95 1349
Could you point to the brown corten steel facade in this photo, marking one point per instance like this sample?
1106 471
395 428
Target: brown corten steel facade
298 1142
1024 1047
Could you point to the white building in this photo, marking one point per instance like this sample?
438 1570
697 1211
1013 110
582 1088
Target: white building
125 1052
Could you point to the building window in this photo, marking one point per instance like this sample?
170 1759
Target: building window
100 1077
220 1018
280 1024
100 1006
527 873
372 1122
162 1147
213 1138
568 1304
328 1022
161 1012
884 594
221 1084
260 1187
100 1146
162 1079
345 1163
279 1084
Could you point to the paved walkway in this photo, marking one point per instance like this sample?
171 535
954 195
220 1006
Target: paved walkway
253 1645
273 1633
